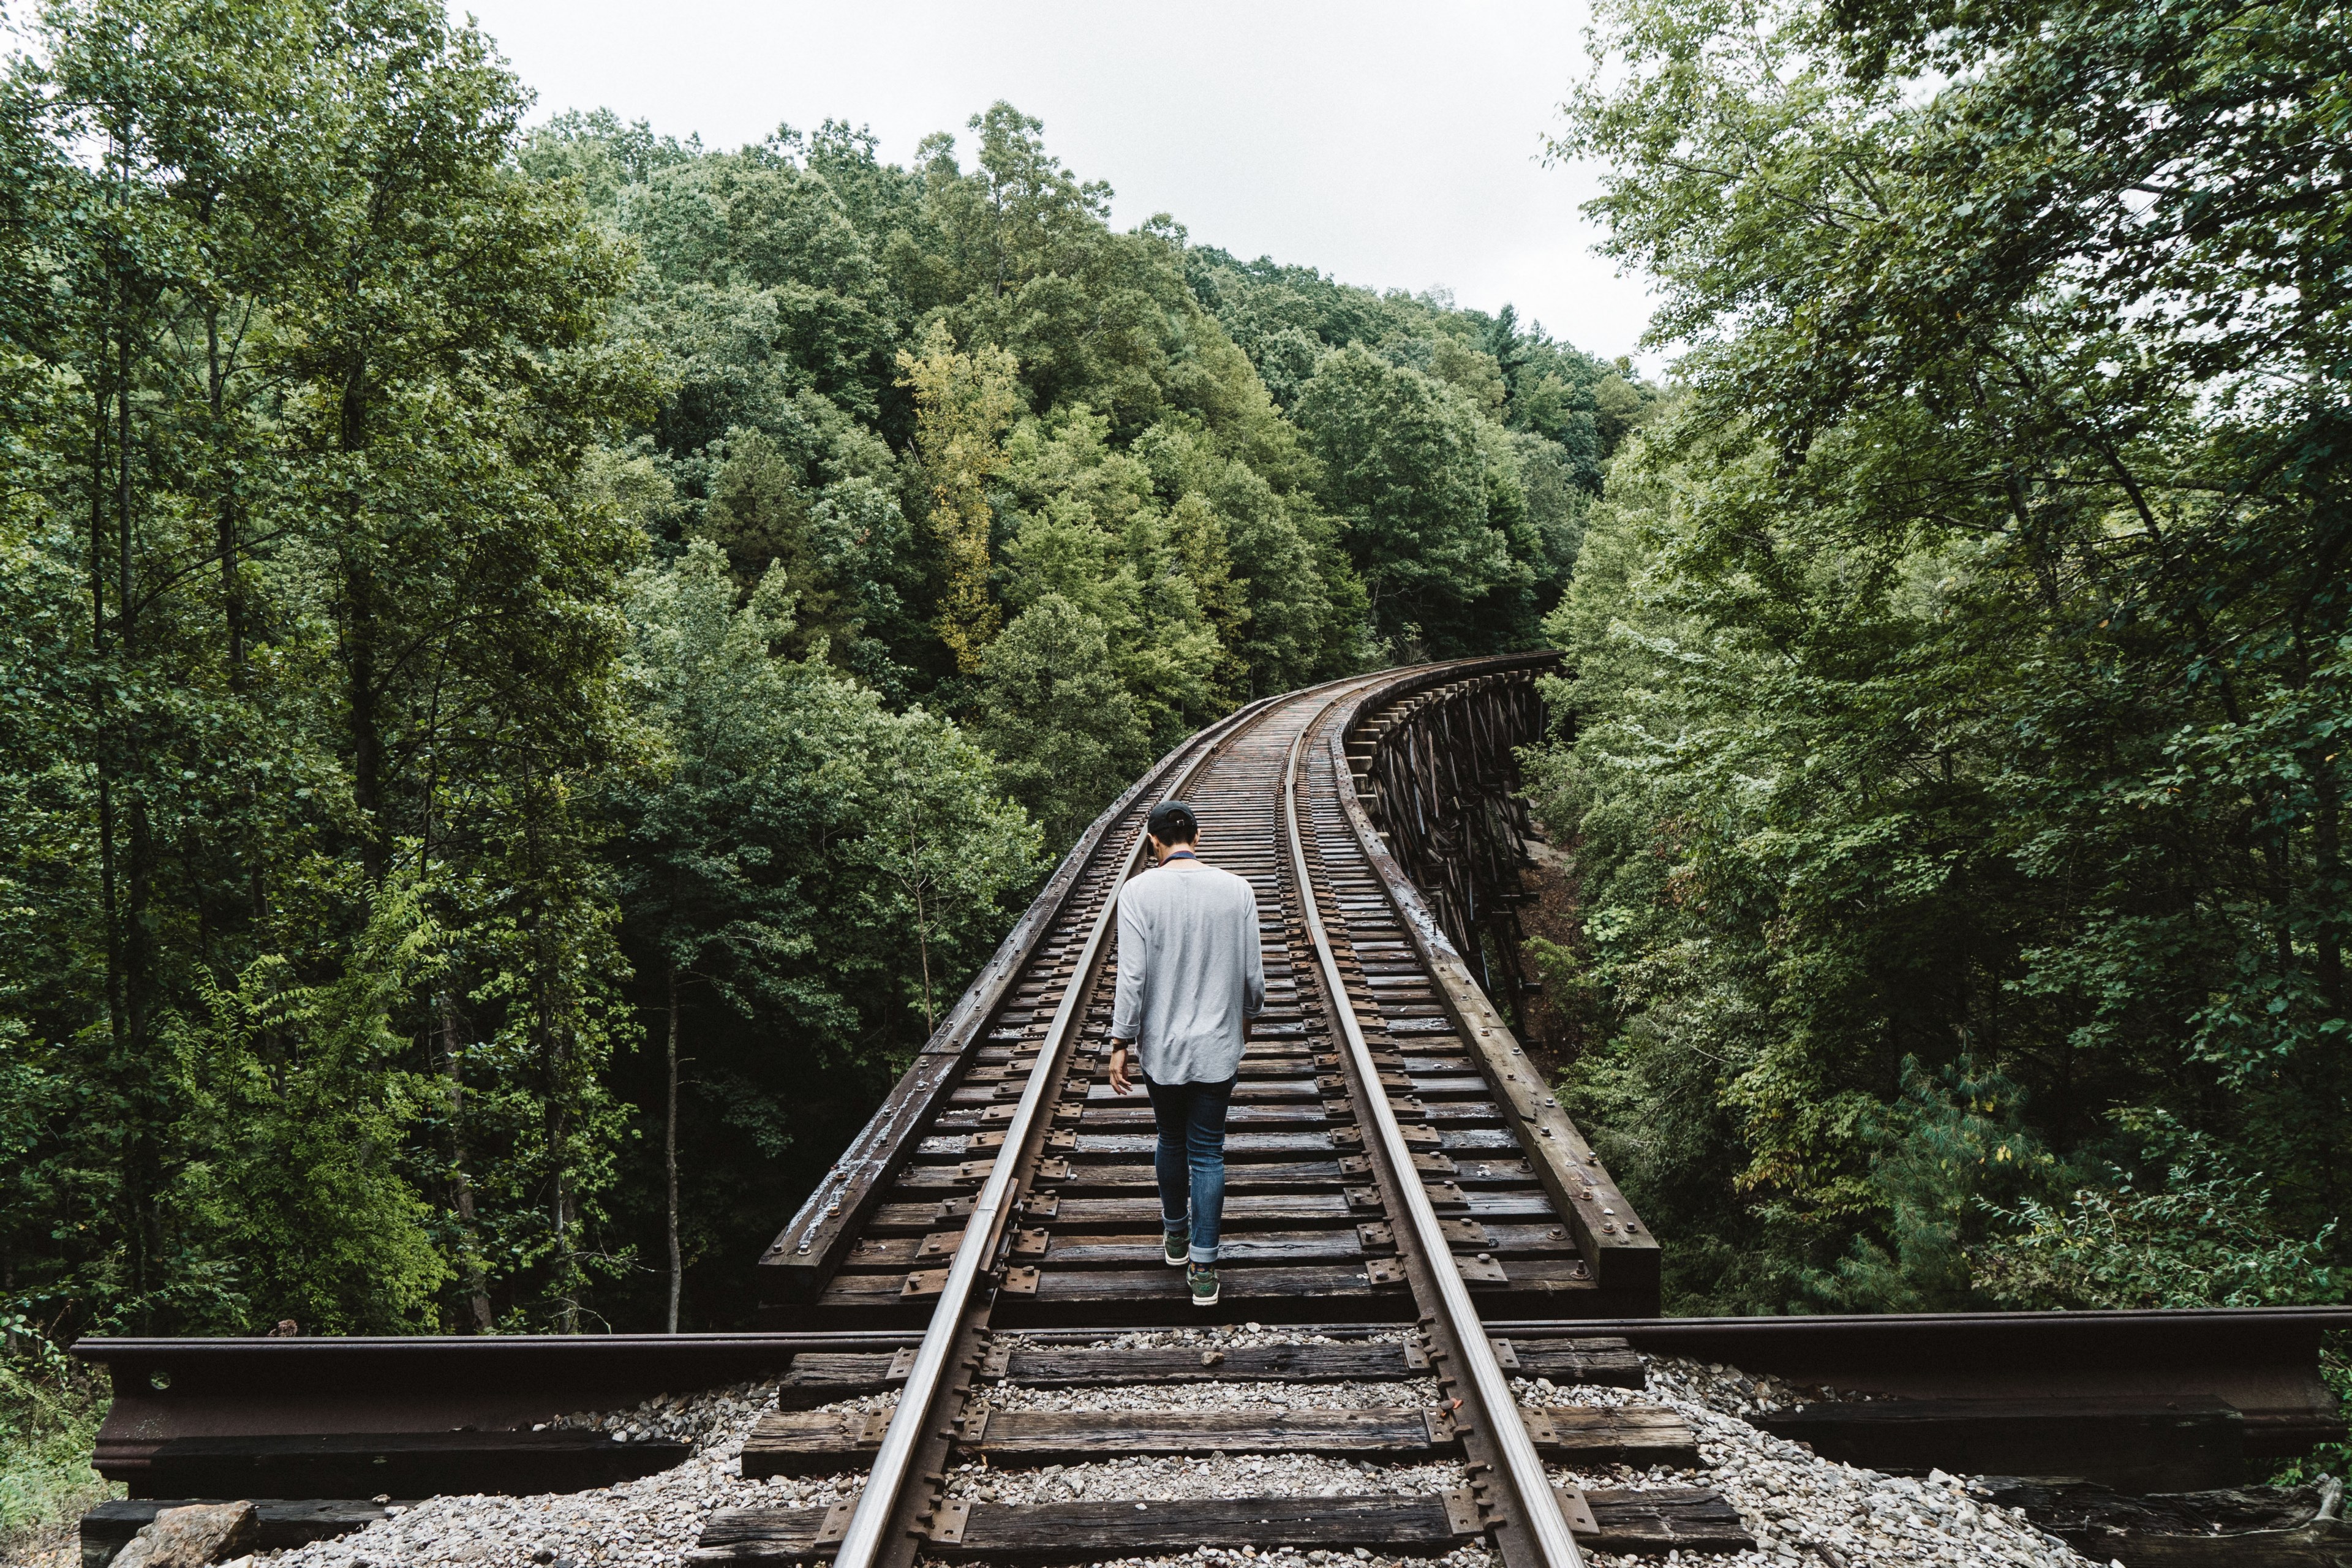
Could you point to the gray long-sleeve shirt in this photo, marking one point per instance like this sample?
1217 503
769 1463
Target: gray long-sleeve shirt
1191 971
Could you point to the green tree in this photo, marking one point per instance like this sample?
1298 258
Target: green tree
964 402
1407 466
291 1188
2194 1230
1062 727
329 371
1960 665
805 876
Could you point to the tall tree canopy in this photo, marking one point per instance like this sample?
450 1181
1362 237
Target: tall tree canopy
1961 666
534 664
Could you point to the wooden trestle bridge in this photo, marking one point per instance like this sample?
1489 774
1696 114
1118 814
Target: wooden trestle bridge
1401 1177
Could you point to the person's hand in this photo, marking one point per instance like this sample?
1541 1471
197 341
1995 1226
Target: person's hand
1120 1082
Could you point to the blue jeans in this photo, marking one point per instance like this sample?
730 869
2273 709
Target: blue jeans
1191 1159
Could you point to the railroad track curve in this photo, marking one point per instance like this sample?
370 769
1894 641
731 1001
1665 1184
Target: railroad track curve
1380 1186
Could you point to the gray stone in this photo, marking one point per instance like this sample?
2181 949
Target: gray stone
192 1536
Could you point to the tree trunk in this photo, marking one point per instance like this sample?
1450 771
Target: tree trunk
669 1157
360 637
226 520
567 1316
116 1002
135 956
2328 852
232 589
367 737
477 1294
922 931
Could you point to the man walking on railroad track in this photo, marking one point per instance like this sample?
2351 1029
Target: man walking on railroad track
1192 975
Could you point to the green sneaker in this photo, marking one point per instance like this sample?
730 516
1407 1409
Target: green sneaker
1201 1278
1179 1244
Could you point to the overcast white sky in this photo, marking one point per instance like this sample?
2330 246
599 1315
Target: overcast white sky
1391 145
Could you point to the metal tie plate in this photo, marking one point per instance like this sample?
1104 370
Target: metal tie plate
948 1520
837 1521
1575 1508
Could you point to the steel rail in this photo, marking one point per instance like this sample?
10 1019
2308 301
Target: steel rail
1538 1505
862 1542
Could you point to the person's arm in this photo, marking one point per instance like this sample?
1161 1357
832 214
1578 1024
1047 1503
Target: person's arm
1126 998
1252 969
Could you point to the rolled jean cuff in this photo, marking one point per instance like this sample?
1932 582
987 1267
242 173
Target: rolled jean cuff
1182 1222
1203 1254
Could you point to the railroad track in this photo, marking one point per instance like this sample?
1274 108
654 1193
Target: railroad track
1396 1169
1426 1271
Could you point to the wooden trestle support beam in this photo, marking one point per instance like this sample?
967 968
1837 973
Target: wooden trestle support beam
1437 766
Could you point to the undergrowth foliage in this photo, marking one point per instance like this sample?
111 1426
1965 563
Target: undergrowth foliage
50 1408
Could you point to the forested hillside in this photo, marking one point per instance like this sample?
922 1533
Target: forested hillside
1961 662
534 663
536 656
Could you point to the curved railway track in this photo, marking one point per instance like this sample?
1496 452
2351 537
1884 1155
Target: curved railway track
1380 1176
1419 1243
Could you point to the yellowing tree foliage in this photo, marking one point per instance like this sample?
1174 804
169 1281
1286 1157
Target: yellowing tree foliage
963 403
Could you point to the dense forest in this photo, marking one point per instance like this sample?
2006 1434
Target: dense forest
536 661
537 656
1963 670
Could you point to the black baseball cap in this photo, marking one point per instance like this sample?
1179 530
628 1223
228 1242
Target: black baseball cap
1172 822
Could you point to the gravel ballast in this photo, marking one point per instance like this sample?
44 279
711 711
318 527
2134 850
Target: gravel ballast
1802 1509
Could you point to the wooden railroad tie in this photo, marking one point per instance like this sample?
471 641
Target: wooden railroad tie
826 1377
813 1442
1650 1523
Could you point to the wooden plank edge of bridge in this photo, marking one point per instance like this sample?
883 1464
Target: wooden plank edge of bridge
1625 1256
